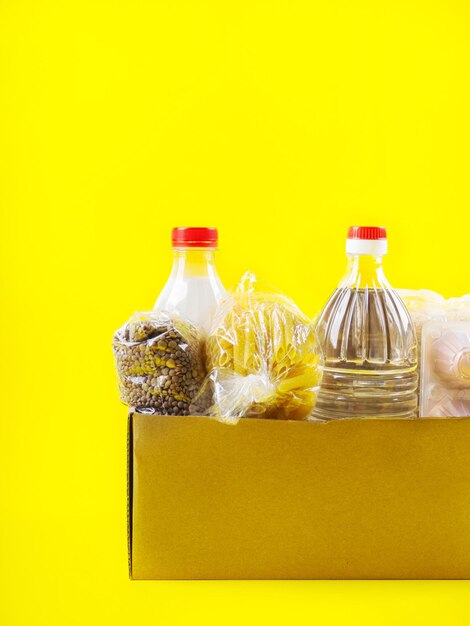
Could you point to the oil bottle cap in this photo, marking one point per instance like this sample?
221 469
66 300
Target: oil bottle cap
183 237
367 232
370 240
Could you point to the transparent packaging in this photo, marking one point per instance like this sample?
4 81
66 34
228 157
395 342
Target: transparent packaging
159 359
193 288
263 357
442 328
423 305
445 371
369 346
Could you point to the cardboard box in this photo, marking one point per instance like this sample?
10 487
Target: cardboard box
271 499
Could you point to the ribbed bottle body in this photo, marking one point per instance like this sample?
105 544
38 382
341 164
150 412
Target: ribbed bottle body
369 347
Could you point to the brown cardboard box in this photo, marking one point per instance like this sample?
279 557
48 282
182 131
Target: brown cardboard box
365 498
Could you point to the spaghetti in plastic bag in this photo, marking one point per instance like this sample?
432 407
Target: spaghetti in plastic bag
263 359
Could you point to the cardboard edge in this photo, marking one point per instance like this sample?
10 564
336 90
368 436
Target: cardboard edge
130 482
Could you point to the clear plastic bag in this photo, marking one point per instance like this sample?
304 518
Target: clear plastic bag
160 364
263 358
443 333
425 306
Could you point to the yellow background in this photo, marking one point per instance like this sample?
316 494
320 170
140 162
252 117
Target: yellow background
279 122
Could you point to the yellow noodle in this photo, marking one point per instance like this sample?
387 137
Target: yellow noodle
264 334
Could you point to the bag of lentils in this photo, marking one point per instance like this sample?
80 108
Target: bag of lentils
159 360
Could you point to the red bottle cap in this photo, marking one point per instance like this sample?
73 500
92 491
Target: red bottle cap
194 237
371 233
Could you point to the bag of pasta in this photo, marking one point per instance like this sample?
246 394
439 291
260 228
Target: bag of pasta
159 360
263 359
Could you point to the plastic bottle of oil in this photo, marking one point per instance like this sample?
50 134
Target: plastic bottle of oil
368 339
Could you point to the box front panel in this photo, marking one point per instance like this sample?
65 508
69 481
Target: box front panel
273 499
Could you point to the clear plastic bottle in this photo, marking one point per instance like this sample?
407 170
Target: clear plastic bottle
193 288
368 339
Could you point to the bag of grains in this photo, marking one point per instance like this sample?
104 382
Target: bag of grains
159 360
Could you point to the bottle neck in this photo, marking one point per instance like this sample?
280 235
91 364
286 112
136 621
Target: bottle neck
364 270
193 262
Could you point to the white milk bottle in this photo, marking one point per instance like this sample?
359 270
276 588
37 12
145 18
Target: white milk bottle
193 289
